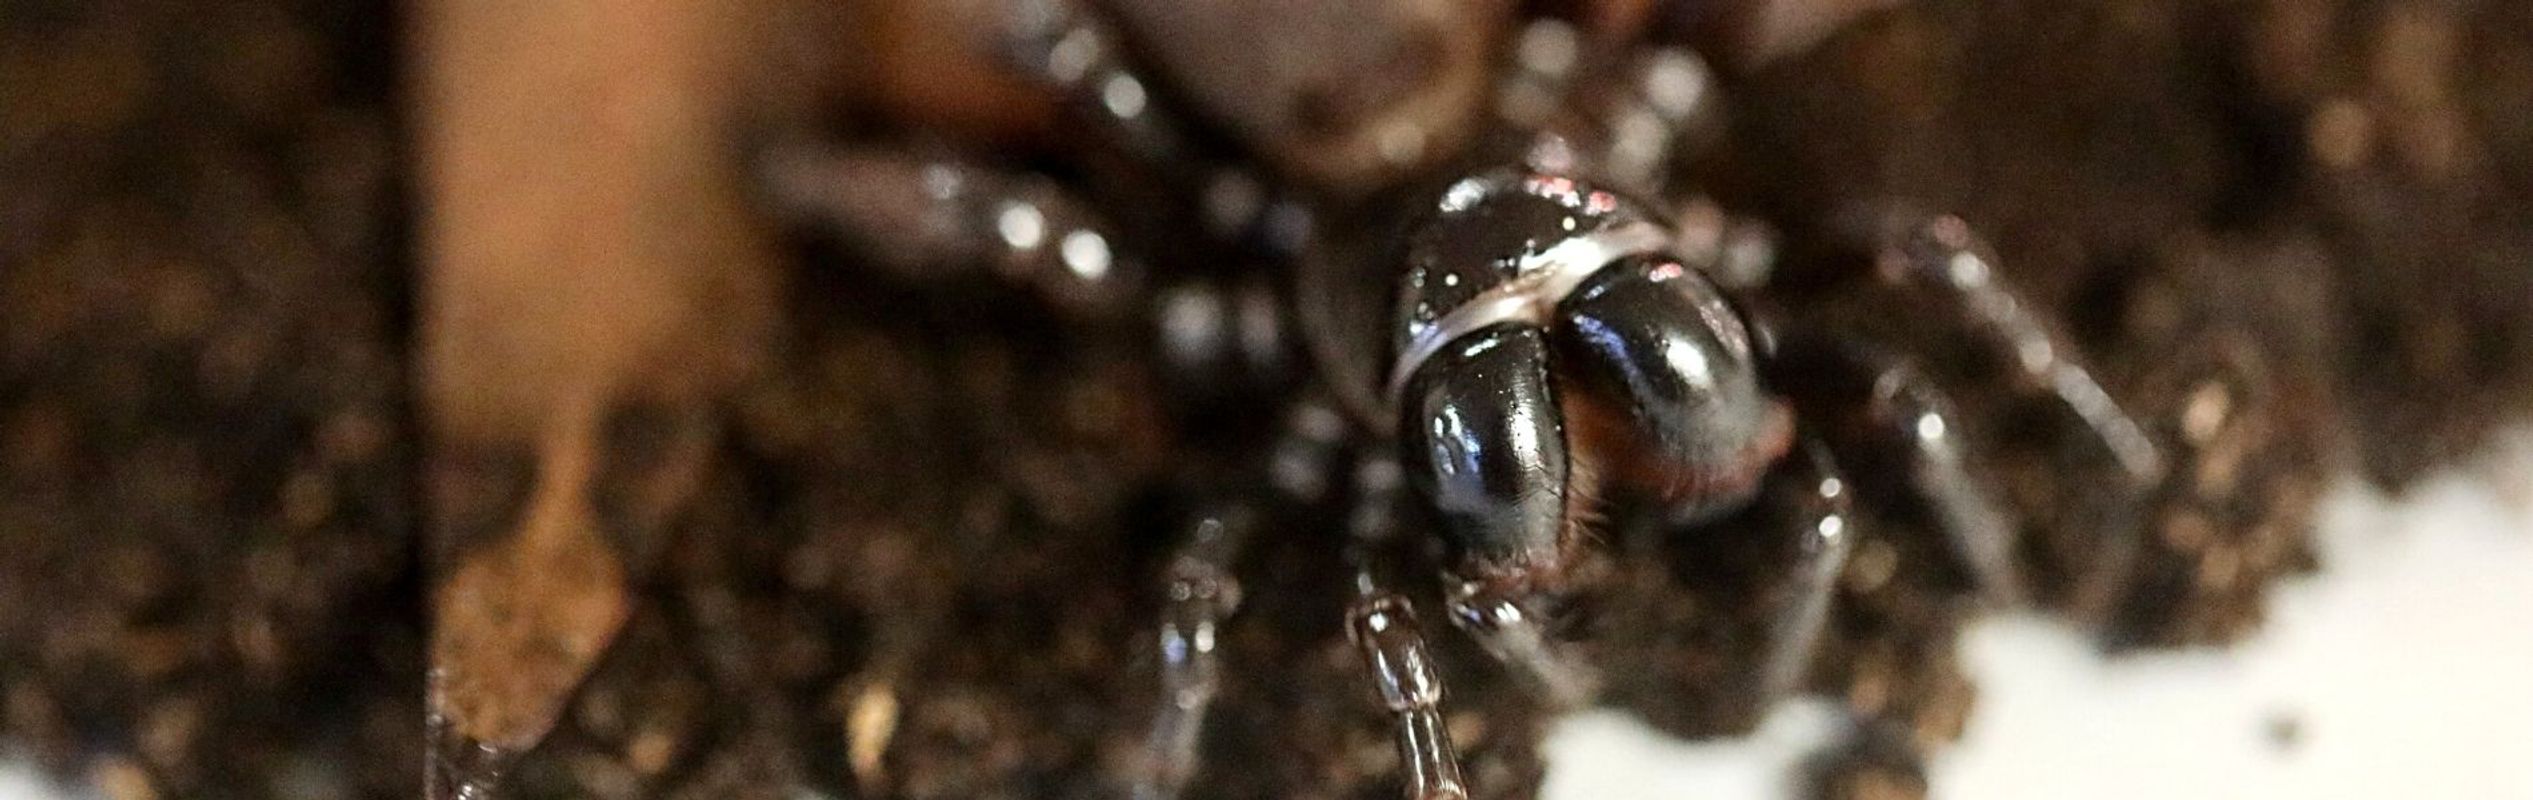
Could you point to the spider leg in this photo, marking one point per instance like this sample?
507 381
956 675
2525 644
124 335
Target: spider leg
1941 257
1065 47
1885 418
1383 627
1879 754
2033 373
1200 593
1725 614
1623 121
929 219
1812 494
1513 632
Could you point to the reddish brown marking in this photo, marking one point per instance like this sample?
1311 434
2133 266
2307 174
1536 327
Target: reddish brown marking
1602 435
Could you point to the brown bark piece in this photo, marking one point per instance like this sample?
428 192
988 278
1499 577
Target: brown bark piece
585 256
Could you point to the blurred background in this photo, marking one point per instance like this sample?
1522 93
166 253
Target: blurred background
634 398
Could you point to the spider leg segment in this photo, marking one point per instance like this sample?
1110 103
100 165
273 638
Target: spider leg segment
1508 629
1382 625
941 222
2096 531
1941 256
1813 496
1063 45
1750 592
1885 418
928 220
1072 51
1200 593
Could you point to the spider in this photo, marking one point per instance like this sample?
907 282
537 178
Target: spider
1504 351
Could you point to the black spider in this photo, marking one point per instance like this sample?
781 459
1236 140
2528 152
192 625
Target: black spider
1571 347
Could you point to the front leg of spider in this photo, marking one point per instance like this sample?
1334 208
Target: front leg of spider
1807 499
1383 627
1883 417
1546 343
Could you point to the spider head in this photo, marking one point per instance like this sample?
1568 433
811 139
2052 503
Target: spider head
1547 341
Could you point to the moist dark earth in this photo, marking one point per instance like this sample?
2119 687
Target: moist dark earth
2295 236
